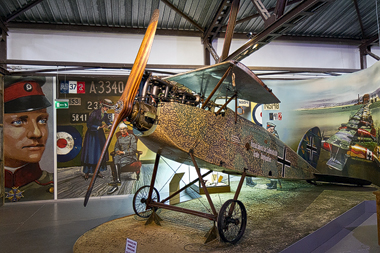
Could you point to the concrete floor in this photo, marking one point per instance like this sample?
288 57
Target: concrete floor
352 232
54 226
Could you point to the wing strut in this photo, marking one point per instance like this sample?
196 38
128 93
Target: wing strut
217 87
126 100
224 106
203 183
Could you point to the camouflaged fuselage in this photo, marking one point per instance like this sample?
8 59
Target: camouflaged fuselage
220 144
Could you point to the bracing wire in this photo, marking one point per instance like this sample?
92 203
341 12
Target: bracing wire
175 171
377 18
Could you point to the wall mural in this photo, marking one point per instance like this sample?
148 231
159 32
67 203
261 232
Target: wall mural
28 145
81 133
347 111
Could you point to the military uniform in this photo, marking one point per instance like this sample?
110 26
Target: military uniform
28 182
31 182
128 145
126 162
273 182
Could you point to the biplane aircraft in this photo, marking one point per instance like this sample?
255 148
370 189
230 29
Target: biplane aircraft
177 118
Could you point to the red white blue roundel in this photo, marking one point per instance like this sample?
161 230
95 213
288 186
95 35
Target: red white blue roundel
69 143
257 114
65 143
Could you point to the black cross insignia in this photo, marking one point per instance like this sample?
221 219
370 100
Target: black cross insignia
311 148
369 155
284 162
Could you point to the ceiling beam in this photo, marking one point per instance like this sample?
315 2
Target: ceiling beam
230 29
3 46
308 39
20 11
275 30
104 29
3 28
213 30
263 12
370 41
95 64
365 49
89 65
280 8
376 57
212 51
124 30
269 10
183 15
359 18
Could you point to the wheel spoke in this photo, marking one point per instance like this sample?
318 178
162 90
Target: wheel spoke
140 198
232 222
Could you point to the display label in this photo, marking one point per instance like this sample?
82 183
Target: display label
75 101
274 106
78 117
243 103
131 246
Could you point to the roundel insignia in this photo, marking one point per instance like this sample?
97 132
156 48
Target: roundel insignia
69 143
28 87
257 114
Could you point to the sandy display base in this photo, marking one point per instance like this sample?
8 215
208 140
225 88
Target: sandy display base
276 219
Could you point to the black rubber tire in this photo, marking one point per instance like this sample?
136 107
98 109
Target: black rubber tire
231 227
139 201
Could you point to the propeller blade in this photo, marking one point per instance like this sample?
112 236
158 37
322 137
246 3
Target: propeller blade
130 91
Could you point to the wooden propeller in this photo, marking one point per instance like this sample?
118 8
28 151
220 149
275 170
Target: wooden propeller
130 91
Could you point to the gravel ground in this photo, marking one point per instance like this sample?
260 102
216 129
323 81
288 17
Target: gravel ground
276 219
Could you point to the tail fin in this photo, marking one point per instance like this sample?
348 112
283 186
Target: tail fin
309 147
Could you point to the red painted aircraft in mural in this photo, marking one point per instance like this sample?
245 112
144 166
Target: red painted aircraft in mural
351 139
177 117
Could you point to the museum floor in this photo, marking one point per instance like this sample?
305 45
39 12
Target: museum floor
276 220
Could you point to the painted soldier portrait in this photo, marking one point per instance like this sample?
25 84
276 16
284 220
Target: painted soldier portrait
25 137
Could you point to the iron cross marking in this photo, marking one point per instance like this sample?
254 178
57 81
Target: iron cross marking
311 148
369 155
284 162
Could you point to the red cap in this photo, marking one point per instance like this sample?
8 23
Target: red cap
21 95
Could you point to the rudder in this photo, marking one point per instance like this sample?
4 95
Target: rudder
309 147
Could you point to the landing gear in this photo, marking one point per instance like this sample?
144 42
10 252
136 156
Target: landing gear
140 198
232 220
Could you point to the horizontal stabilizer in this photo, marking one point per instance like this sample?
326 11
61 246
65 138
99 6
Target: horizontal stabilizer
341 179
342 139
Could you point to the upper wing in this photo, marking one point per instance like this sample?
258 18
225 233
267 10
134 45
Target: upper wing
247 85
342 139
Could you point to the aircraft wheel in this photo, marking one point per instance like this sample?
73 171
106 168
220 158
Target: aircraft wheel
140 198
232 222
